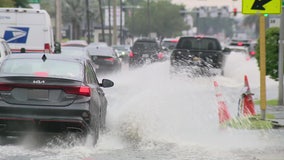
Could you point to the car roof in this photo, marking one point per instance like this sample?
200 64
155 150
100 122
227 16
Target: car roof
146 39
100 44
78 43
102 50
170 40
198 36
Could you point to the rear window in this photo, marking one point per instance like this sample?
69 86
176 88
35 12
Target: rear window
199 44
49 68
145 45
169 44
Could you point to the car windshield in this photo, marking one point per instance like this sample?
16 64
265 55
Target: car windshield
199 44
37 67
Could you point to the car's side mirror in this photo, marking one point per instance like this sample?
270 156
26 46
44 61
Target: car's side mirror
106 83
226 50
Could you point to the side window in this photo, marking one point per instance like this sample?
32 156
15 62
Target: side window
90 74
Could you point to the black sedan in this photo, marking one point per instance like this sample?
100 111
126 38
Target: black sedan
145 51
105 59
51 94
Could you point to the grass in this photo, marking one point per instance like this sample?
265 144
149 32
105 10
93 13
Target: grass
272 102
251 122
255 122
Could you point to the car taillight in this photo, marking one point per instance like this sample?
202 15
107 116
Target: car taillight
41 74
109 59
81 90
240 43
131 54
5 87
160 55
47 48
78 90
252 53
174 40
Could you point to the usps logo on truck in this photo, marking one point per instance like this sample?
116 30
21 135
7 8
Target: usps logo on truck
16 34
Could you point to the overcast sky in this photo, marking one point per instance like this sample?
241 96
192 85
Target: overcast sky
198 3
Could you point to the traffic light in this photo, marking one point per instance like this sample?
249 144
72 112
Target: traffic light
235 11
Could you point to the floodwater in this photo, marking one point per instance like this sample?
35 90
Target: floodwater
153 116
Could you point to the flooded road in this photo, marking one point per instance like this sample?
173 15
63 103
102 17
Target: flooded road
153 116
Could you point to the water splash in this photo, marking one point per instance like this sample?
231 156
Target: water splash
149 107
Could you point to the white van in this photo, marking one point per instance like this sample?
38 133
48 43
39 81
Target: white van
26 30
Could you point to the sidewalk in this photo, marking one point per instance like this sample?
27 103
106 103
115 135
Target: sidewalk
278 112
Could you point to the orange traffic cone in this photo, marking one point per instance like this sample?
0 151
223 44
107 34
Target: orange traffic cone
223 112
248 105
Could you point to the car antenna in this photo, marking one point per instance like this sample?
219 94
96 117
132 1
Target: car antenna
43 57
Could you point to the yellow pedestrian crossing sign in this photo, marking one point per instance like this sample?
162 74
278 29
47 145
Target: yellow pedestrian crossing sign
261 6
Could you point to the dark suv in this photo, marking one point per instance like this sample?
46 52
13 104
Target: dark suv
145 51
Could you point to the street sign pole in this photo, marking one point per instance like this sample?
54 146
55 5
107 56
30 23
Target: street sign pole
280 61
262 7
262 65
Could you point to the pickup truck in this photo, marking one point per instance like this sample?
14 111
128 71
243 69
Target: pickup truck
198 55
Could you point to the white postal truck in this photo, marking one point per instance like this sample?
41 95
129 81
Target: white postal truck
27 30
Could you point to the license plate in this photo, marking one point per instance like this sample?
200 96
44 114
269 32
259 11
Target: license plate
145 55
196 59
38 94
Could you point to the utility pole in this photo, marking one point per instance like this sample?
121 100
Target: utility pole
88 21
120 29
109 24
114 23
148 16
280 61
58 20
102 20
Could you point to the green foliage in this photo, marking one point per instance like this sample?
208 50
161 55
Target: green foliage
272 49
22 3
164 19
49 6
7 3
209 25
15 3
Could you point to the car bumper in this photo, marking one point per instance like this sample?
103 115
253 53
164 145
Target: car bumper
46 120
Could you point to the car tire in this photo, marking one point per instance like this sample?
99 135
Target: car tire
96 131
103 119
92 135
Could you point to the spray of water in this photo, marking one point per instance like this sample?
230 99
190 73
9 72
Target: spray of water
150 109
148 106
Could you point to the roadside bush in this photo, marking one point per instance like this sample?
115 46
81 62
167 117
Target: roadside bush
272 50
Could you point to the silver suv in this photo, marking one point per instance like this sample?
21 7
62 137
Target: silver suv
4 49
